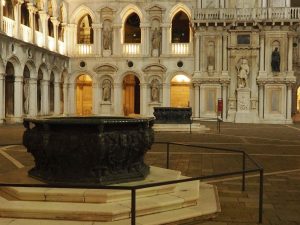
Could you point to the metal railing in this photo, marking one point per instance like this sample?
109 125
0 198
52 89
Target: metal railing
243 171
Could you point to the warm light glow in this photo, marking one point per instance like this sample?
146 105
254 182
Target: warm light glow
51 43
180 48
61 47
298 99
84 49
3 2
39 38
131 49
181 79
8 26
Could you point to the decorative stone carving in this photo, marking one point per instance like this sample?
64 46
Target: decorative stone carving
156 37
107 36
170 115
101 150
155 90
275 60
106 90
243 71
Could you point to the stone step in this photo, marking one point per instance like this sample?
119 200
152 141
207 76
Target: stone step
185 195
97 196
208 206
195 128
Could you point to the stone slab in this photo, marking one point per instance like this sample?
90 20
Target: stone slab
195 128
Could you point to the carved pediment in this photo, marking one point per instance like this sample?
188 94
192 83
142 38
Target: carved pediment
106 68
155 7
155 68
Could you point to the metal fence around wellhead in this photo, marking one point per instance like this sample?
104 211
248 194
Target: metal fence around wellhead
241 172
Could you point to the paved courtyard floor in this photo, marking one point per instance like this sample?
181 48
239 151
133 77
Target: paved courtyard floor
275 147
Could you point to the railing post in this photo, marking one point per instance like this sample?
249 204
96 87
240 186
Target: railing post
168 154
261 194
244 167
133 206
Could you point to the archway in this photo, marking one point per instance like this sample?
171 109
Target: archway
84 95
9 89
39 91
131 95
180 91
26 91
51 93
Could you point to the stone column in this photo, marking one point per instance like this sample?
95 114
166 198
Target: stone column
117 48
289 102
224 97
166 94
197 49
45 97
1 27
18 98
96 98
145 39
262 52
261 101
66 107
218 57
264 3
97 38
166 39
17 13
44 20
72 98
118 99
225 55
71 39
143 98
197 98
201 54
32 97
290 53
55 23
32 10
2 98
56 98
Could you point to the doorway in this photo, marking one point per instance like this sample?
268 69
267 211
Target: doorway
131 95
180 91
84 95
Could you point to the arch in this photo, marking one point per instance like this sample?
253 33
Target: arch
76 74
50 28
9 89
180 91
85 34
172 74
180 28
132 29
43 67
8 9
80 12
129 9
32 68
16 63
2 68
174 10
135 73
24 14
131 94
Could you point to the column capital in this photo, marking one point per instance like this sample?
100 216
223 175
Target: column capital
96 25
18 79
55 21
166 25
117 26
144 25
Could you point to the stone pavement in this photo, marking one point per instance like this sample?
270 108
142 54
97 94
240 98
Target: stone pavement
275 147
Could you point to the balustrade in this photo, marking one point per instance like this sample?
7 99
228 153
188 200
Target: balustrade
51 43
84 49
181 48
61 47
131 49
26 33
8 26
39 39
247 14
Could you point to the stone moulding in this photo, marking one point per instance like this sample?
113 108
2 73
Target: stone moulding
95 150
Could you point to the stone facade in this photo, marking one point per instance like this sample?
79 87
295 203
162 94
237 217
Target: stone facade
226 48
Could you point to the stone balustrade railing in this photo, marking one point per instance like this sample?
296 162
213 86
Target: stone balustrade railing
247 14
8 26
26 33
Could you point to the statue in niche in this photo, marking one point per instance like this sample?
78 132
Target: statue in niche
243 72
155 90
107 36
106 90
275 60
26 95
156 39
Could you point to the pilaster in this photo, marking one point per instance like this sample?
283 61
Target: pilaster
44 20
117 40
261 101
32 97
32 10
72 98
97 38
118 105
17 12
144 98
55 23
56 98
197 100
45 97
18 97
225 54
2 96
290 52
65 99
197 49
96 97
166 94
166 39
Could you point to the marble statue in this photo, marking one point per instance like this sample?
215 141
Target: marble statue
107 36
106 88
243 72
275 60
155 90
155 39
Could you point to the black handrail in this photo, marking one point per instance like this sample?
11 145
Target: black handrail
133 189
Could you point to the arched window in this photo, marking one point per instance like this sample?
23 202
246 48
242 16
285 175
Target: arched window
38 24
85 30
24 15
60 32
132 29
50 28
26 77
180 28
9 89
8 9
